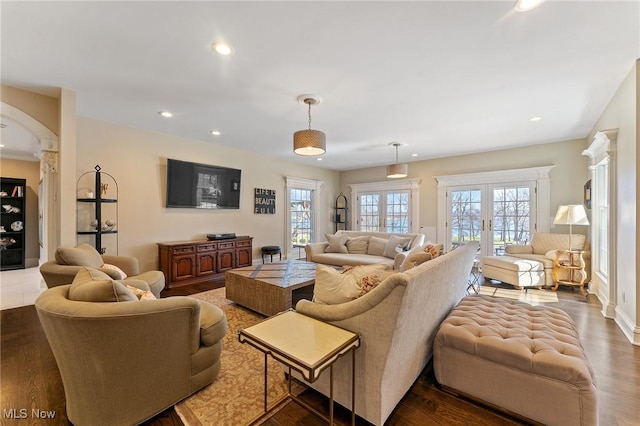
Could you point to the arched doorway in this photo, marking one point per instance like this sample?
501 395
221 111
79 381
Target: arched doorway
47 152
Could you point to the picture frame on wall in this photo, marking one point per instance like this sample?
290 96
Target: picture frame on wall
587 194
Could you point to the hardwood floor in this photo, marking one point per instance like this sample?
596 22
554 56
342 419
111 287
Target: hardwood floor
30 377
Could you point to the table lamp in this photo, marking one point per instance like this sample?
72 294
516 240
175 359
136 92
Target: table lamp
573 214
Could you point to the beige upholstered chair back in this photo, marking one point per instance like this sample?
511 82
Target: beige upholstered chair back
542 242
124 362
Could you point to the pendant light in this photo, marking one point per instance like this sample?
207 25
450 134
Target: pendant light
397 170
309 142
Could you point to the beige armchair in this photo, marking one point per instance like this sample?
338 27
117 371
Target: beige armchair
122 362
543 248
69 260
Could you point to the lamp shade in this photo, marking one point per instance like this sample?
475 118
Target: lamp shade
397 170
309 142
573 214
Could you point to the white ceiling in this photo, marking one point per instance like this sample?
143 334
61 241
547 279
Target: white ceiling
446 77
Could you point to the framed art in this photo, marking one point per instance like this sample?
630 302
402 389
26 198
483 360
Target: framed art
587 194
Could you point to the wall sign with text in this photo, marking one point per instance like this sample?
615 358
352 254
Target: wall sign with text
265 201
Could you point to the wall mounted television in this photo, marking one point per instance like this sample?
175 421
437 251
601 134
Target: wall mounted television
202 186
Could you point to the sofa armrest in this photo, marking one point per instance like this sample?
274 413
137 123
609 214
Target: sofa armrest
315 248
128 264
353 308
518 249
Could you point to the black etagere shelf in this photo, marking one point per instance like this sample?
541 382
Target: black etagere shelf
341 209
98 209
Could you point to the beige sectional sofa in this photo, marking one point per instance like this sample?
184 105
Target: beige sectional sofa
397 321
361 248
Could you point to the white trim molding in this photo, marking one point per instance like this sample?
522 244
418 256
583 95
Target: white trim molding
603 150
413 185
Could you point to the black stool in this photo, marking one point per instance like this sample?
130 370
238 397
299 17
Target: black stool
271 250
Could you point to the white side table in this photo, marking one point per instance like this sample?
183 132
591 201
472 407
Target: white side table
305 344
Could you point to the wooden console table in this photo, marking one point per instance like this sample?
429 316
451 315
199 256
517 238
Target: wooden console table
191 262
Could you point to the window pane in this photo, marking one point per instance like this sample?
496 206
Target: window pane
302 213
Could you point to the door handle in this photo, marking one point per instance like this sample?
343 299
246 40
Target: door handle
483 224
490 225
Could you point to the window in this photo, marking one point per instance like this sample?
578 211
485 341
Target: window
302 202
301 210
386 206
385 211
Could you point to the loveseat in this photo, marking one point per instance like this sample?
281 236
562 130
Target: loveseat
124 360
542 249
361 248
397 321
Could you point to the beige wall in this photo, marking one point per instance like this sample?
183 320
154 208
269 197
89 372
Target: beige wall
43 108
622 114
567 177
137 160
29 170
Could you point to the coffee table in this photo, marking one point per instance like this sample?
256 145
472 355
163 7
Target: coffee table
272 287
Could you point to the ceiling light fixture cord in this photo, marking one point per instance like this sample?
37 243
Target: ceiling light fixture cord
308 101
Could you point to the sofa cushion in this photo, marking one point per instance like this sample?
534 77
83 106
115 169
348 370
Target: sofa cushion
377 246
213 324
395 245
91 285
334 287
339 259
433 249
357 245
336 243
82 255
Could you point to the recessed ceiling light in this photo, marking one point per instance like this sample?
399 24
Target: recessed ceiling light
215 132
1 145
222 48
165 114
319 159
414 154
526 5
536 118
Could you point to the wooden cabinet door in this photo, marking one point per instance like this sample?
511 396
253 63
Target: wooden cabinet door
206 264
183 267
243 257
226 260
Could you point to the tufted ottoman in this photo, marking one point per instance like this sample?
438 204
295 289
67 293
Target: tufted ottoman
522 359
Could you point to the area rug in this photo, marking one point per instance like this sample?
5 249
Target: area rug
532 296
236 396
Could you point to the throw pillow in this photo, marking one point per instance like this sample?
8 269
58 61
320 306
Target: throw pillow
413 258
141 294
358 245
82 255
336 243
396 245
119 272
377 246
433 249
334 287
91 285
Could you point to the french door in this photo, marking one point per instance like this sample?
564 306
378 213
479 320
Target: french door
493 214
